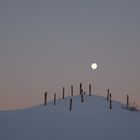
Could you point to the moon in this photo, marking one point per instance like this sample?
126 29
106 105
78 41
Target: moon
94 66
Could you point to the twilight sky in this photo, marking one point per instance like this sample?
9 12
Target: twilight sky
47 44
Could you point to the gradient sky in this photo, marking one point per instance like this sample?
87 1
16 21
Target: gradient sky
47 44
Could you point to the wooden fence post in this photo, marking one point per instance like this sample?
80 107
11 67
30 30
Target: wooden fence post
82 96
127 100
54 99
70 108
80 88
108 94
45 98
89 89
63 96
110 101
71 90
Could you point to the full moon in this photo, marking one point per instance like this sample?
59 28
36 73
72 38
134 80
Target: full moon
94 66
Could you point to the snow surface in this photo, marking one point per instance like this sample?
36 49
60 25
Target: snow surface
91 120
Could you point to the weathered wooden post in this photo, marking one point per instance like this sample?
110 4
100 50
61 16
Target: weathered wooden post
71 90
110 101
80 88
82 96
54 99
108 94
127 100
70 108
89 89
45 98
63 96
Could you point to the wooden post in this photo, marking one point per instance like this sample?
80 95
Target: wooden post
80 88
71 90
89 89
108 94
70 108
54 99
45 98
127 100
82 96
63 96
110 101
110 104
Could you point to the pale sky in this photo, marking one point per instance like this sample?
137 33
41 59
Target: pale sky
48 44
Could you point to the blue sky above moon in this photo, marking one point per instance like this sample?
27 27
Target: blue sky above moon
45 45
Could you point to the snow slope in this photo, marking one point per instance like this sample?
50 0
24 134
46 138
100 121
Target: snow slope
91 120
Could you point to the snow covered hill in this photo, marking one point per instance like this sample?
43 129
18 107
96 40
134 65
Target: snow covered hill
91 120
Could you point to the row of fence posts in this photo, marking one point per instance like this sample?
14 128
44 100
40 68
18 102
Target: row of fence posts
82 93
110 99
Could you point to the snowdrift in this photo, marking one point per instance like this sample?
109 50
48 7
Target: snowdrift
90 120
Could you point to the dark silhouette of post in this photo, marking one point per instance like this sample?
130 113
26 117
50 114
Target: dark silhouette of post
70 108
71 90
89 89
63 96
80 88
110 102
45 98
82 96
127 100
84 93
54 99
108 94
